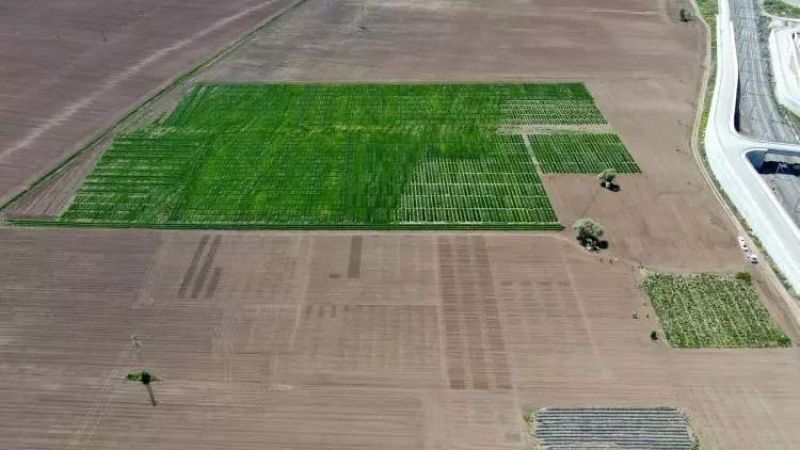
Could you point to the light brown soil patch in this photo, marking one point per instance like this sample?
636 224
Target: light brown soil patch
278 356
406 341
73 69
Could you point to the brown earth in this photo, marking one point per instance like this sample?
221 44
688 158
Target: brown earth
337 341
72 69
391 340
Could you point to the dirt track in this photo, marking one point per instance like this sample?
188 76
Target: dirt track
341 340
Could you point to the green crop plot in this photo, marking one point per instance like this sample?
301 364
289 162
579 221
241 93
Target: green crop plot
328 155
581 153
707 310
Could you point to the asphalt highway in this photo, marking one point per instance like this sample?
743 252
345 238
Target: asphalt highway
759 114
760 117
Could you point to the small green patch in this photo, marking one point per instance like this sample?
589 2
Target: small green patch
780 8
716 311
709 10
581 153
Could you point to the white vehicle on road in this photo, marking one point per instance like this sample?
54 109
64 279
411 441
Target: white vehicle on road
752 258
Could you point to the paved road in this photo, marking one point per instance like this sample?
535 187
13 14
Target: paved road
759 114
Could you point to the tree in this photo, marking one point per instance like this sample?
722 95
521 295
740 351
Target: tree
744 276
589 231
607 177
145 378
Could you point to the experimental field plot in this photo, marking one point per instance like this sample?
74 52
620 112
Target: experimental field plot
632 428
335 155
708 310
581 153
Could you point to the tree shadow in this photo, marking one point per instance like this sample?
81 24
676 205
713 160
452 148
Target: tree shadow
610 185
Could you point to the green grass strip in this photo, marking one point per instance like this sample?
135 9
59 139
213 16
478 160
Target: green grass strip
581 153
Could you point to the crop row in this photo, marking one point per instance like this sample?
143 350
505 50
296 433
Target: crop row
282 177
502 188
581 153
551 112
711 311
259 106
607 427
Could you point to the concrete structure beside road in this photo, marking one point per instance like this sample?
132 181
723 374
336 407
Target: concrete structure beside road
784 51
734 158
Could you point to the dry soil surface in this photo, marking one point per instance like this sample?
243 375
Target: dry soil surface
72 68
362 340
341 341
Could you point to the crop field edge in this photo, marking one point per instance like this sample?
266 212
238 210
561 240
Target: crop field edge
35 223
189 114
112 131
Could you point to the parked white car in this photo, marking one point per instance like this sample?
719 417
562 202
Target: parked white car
743 243
753 258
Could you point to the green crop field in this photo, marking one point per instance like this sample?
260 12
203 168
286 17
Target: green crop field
708 310
581 153
334 155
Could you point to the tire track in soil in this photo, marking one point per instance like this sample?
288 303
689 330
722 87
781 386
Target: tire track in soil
354 263
212 286
475 346
450 316
492 315
187 277
201 277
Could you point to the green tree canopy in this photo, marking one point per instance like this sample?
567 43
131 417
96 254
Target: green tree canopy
144 377
588 230
608 175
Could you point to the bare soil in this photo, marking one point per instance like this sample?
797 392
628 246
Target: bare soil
292 340
72 69
331 340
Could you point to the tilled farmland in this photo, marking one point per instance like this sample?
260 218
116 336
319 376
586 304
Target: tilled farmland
424 340
71 70
657 428
363 339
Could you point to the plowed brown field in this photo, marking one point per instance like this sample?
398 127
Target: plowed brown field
307 340
72 69
331 340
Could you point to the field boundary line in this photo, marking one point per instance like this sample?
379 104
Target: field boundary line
427 226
